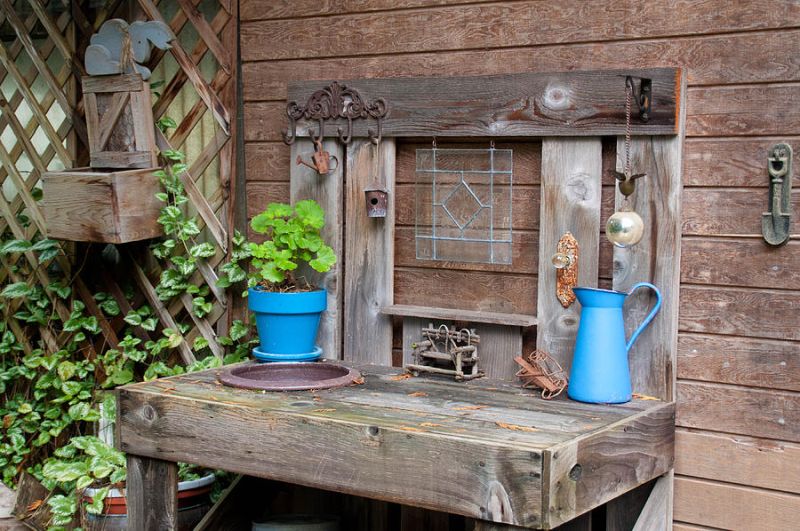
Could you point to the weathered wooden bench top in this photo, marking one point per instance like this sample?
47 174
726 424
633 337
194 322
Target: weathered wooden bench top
486 449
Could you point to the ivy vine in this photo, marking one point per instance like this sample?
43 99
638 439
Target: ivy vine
55 387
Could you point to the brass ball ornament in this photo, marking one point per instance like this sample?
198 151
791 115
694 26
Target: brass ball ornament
625 228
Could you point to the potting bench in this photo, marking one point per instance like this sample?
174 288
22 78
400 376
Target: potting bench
485 449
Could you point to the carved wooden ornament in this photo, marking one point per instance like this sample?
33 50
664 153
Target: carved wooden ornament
567 277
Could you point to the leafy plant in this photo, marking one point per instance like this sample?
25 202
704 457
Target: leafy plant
53 386
293 237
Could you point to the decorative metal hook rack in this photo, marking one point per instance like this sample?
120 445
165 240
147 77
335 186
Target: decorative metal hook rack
335 102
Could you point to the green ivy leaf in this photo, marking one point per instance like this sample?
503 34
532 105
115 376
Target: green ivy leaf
15 246
203 250
16 290
199 343
238 330
98 501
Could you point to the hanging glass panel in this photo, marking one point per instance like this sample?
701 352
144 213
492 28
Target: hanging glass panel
463 205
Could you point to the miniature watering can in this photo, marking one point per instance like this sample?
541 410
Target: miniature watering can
600 371
320 160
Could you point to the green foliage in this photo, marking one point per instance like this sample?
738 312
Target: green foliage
293 238
54 386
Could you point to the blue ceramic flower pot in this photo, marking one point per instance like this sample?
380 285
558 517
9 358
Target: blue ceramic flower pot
287 322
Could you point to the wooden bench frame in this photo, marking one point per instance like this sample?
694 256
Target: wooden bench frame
571 111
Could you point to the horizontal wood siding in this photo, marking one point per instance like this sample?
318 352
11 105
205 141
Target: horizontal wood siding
738 441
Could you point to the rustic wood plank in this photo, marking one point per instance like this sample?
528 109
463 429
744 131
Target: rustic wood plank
733 507
718 310
259 195
270 10
427 312
585 103
369 248
445 289
577 474
571 173
731 58
494 25
115 83
746 111
656 515
746 411
739 360
727 212
740 262
328 191
728 162
152 494
658 201
738 459
494 471
267 161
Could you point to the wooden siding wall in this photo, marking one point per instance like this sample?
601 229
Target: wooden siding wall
738 443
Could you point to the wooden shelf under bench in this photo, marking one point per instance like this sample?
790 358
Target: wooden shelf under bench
486 449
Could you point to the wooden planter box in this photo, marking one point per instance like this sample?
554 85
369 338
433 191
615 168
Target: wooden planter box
101 206
119 121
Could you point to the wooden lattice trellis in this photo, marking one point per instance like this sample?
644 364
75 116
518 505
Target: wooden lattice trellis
42 128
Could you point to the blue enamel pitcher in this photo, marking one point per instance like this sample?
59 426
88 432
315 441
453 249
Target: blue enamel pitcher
600 372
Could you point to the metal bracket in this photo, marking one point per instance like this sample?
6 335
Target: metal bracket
776 224
334 102
643 95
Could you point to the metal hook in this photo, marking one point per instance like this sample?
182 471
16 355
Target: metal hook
318 139
345 139
642 96
376 138
290 135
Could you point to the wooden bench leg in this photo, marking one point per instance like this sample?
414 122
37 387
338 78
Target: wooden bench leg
152 494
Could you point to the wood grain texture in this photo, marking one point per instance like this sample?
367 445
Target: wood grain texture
729 311
727 212
748 110
419 441
755 57
328 192
487 291
260 194
740 262
101 206
493 25
269 9
724 506
740 410
738 459
564 104
571 173
656 514
369 248
771 364
729 162
152 494
427 312
658 201
578 475
267 161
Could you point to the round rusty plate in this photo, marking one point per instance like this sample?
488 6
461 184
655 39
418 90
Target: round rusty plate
290 376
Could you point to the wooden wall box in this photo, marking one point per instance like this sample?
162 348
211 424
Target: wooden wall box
101 206
119 121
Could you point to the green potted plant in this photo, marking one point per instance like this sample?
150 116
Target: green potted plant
287 307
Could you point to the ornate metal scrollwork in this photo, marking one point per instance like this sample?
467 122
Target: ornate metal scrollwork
336 102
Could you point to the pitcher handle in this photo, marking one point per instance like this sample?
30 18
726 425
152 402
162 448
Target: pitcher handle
649 317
